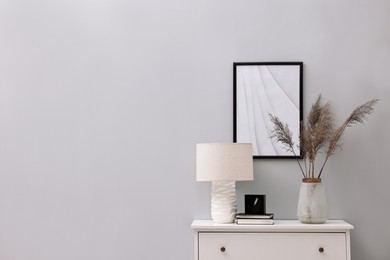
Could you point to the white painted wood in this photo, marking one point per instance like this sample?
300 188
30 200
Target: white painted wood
196 241
348 243
279 226
276 246
286 239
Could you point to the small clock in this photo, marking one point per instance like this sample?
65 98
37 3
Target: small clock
255 204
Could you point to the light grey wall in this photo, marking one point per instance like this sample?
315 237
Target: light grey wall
102 103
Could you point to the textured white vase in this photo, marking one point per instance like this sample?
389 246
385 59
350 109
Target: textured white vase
312 207
223 201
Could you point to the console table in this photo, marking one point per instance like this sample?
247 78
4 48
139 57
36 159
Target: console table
286 239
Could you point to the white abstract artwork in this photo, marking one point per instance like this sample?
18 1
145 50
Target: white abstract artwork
261 89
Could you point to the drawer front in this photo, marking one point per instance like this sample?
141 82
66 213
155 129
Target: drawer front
272 246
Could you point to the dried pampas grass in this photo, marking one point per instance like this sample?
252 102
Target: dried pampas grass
318 133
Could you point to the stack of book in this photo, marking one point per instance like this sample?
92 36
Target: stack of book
251 219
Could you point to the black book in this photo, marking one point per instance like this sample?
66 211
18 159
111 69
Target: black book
253 216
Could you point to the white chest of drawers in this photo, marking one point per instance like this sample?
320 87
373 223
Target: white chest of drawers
285 240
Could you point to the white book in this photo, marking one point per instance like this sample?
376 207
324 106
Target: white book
251 221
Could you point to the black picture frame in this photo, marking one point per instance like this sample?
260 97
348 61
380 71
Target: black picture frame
260 89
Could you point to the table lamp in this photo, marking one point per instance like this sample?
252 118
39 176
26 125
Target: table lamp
223 164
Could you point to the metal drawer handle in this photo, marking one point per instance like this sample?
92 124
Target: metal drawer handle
223 249
321 249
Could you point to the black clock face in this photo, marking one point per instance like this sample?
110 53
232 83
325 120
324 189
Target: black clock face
255 204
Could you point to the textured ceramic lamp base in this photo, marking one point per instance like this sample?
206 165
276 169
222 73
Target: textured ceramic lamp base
223 201
312 208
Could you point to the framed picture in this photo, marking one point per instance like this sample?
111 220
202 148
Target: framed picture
260 89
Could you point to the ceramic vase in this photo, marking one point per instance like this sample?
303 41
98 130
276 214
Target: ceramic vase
312 207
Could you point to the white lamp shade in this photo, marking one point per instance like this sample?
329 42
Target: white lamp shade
224 162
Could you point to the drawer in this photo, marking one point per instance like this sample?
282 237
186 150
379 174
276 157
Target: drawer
272 246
